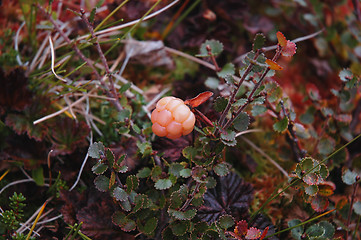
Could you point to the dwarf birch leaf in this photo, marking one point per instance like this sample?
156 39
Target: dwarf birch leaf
241 122
226 221
311 190
282 41
258 41
123 222
144 172
220 104
99 168
120 194
163 184
281 125
101 182
215 46
357 207
132 183
349 177
227 69
221 169
96 149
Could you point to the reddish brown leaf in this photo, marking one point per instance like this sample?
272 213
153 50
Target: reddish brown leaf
319 204
282 41
198 100
326 188
273 65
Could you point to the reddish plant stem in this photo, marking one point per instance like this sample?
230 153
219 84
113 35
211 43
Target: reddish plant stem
100 52
250 97
209 50
190 198
239 84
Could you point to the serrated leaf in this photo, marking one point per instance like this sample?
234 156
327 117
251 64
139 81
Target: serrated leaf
212 82
123 222
326 189
329 229
221 169
215 45
282 41
228 135
258 41
175 169
296 232
101 182
179 228
315 231
96 149
311 190
125 205
190 152
357 207
185 173
150 226
227 69
186 215
99 168
241 122
123 114
110 157
345 75
226 221
349 177
144 172
253 233
273 65
311 179
132 183
259 100
141 201
199 174
326 146
281 125
119 194
240 102
319 204
220 104
258 110
324 171
163 184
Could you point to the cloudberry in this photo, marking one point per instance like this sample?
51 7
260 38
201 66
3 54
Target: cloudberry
172 118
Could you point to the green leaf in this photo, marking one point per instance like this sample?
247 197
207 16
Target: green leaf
163 184
241 122
190 152
144 172
186 215
349 177
329 229
145 148
220 104
120 194
258 110
38 176
281 125
311 190
125 87
357 207
95 149
296 232
221 169
212 82
110 157
226 221
175 169
99 168
185 173
132 183
141 201
136 129
326 146
101 183
199 174
315 231
258 41
215 45
156 172
92 15
179 228
345 75
123 114
228 135
309 116
227 69
324 171
123 222
150 226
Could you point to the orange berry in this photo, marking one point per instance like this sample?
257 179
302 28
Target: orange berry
172 118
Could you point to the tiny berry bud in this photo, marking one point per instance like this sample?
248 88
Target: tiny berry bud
172 118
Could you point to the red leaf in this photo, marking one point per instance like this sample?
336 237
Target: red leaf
241 228
273 65
289 50
265 231
253 233
201 98
326 189
319 204
281 39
